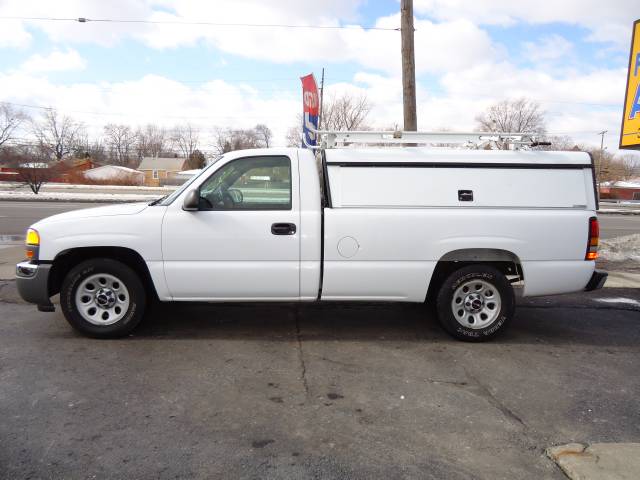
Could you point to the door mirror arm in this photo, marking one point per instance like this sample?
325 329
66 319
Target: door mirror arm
191 201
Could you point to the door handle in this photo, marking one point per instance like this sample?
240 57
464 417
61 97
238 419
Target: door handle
465 195
283 228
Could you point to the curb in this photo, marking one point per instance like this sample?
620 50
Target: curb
618 212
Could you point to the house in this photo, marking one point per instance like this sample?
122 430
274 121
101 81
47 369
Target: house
622 190
76 164
114 175
157 170
68 170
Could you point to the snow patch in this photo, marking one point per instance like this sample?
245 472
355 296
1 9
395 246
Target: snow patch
621 248
69 186
79 196
628 301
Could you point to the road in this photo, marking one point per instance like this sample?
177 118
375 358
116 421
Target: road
619 225
15 217
315 391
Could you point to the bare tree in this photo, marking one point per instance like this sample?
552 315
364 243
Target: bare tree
512 116
121 142
294 134
57 134
186 138
228 140
345 112
10 121
559 143
97 151
629 166
264 133
31 163
152 140
35 175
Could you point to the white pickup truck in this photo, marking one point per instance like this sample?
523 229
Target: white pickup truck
458 228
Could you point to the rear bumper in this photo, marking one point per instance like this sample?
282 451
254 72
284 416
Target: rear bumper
33 283
597 281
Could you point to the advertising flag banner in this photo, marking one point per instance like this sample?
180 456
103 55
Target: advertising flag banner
630 131
310 104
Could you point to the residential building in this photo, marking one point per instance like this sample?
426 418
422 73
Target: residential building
157 170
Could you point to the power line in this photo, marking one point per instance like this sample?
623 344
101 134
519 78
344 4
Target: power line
208 24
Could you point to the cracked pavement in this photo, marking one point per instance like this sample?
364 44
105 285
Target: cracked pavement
315 391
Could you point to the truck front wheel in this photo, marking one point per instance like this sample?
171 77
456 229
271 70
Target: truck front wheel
102 298
475 303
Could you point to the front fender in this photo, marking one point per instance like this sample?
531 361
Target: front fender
139 232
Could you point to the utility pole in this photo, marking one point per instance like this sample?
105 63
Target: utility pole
408 66
602 134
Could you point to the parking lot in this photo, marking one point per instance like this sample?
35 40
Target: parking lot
331 391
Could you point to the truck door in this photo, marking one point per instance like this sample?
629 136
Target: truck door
243 242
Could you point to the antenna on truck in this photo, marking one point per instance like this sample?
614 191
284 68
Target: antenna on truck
337 139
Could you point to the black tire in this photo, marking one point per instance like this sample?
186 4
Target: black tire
136 298
487 275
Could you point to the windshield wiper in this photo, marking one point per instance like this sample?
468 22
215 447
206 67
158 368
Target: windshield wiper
158 200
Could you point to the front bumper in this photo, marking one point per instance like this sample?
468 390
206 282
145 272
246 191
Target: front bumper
597 280
33 284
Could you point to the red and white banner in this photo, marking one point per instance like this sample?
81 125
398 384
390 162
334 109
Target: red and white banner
311 107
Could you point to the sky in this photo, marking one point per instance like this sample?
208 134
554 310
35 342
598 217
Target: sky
570 55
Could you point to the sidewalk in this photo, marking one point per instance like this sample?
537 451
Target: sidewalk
599 461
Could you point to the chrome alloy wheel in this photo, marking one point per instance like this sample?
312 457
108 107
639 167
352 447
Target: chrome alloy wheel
476 304
102 299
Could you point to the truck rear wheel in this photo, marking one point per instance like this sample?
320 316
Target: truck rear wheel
475 303
102 298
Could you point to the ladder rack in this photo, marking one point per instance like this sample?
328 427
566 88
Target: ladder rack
337 139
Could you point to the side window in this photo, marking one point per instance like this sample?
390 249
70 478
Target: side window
252 183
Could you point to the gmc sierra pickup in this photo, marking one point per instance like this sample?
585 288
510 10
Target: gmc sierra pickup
459 228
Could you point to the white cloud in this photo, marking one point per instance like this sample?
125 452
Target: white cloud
105 34
56 61
377 49
550 47
13 35
327 12
155 99
609 21
435 44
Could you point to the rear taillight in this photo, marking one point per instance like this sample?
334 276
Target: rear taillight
594 237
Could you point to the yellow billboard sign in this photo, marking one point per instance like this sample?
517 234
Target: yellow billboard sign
630 131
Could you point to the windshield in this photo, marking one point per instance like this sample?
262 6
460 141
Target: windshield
170 198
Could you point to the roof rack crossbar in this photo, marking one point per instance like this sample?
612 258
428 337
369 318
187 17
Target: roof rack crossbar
334 138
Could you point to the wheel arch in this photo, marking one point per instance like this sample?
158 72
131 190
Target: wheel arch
505 261
67 259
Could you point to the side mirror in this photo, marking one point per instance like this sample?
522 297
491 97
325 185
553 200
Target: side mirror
192 200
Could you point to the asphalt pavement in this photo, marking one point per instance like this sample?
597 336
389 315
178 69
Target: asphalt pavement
370 391
313 391
15 217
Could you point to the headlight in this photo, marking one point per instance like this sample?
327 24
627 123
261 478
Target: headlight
33 237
